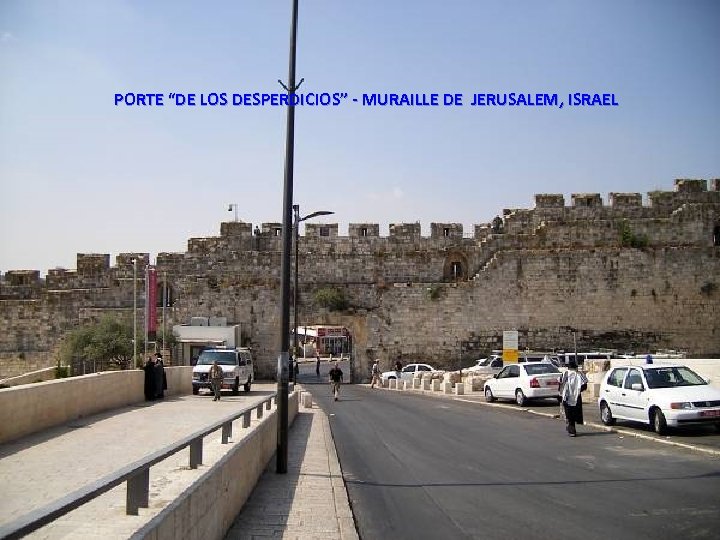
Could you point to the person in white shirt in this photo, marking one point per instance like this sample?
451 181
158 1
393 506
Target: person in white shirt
572 383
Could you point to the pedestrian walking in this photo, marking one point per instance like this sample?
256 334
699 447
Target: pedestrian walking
149 370
572 383
336 378
317 366
375 374
216 377
398 364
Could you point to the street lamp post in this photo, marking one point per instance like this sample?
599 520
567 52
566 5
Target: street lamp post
134 312
298 219
283 356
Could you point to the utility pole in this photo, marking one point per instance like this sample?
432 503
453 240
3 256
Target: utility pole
283 357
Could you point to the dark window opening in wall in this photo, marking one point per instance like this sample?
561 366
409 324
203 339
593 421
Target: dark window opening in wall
278 232
446 231
324 231
716 235
363 231
456 271
166 296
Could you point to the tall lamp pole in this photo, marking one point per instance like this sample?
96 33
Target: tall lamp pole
134 313
283 357
298 219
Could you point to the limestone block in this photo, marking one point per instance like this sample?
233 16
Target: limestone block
426 384
416 382
401 384
392 384
436 385
459 389
447 388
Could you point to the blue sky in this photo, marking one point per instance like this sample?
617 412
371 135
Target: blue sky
78 174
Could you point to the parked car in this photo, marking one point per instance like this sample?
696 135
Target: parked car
658 395
522 382
407 373
237 365
487 366
582 356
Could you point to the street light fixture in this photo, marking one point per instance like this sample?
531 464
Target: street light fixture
298 219
230 209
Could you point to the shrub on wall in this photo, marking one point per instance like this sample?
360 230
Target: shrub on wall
331 298
629 239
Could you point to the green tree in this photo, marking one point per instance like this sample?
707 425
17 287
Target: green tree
108 340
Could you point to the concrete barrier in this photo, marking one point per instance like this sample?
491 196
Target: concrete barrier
459 389
447 388
209 506
45 374
33 407
307 400
436 385
392 384
426 384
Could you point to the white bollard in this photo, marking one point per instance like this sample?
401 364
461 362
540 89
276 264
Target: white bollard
460 389
426 384
447 388
393 384
416 383
436 385
307 400
401 385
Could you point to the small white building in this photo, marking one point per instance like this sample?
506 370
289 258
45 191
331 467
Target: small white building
201 333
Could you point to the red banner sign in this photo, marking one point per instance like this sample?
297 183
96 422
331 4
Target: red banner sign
151 305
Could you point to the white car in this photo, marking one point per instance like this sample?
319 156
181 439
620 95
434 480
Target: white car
487 366
658 395
407 373
522 382
237 365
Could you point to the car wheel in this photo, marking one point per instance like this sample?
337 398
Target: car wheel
391 378
196 390
489 395
247 385
559 400
606 414
717 426
658 422
520 397
236 386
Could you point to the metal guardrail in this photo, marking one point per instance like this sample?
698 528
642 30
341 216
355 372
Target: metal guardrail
137 476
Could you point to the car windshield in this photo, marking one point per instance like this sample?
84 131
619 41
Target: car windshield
537 369
224 358
671 377
485 362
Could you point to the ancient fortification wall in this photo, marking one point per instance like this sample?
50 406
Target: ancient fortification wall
622 274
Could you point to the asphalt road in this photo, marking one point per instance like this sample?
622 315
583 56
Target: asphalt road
421 467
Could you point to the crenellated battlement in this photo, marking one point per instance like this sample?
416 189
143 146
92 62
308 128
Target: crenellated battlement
534 268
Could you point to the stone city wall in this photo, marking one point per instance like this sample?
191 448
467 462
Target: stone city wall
443 298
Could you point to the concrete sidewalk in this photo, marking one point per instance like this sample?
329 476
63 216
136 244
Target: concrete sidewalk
310 501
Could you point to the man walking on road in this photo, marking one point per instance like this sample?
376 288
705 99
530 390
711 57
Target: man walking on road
336 377
375 374
216 377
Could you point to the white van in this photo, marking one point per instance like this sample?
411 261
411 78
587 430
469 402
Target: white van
237 365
